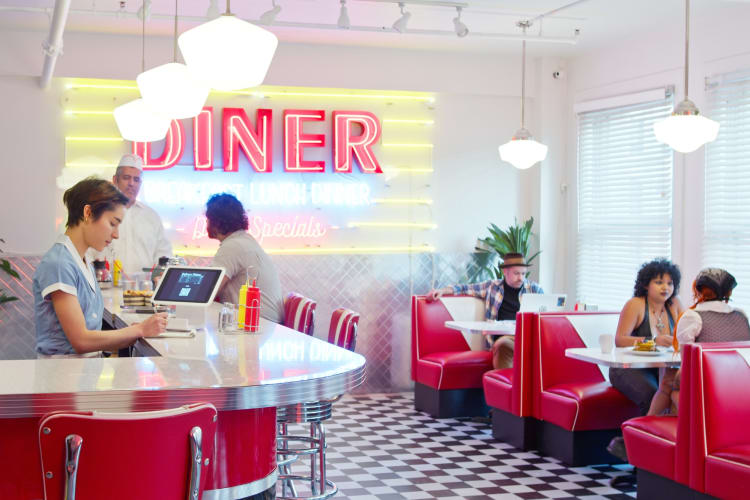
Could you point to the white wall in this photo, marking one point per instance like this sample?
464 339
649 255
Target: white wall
477 108
719 43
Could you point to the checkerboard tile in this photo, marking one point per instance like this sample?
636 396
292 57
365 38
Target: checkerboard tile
379 447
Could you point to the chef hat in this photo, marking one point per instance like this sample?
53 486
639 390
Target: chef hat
131 160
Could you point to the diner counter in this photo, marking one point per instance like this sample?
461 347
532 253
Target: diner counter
275 367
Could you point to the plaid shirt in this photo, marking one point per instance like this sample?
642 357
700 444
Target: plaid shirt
492 292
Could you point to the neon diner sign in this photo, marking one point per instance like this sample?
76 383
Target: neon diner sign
255 141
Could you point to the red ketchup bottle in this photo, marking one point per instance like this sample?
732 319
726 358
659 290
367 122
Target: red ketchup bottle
252 309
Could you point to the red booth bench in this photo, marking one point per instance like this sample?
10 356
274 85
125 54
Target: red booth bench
705 451
447 374
579 411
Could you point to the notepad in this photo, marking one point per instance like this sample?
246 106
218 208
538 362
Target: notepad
176 334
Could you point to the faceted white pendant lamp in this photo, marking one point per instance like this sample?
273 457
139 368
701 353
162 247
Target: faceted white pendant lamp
172 90
686 130
228 53
137 122
522 151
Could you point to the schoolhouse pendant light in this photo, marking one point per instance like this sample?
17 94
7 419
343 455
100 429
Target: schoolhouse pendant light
172 89
522 151
686 130
136 120
228 53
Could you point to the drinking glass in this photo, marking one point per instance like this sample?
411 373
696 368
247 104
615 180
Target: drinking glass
228 318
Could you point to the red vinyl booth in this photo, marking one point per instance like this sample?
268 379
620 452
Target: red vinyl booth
580 412
705 451
447 374
508 391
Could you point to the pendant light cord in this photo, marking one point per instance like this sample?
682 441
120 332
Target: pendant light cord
228 12
174 48
687 44
143 37
523 77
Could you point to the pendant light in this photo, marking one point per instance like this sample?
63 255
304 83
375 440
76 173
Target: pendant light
228 53
686 130
522 151
171 89
136 120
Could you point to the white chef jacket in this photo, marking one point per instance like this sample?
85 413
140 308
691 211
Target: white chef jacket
142 240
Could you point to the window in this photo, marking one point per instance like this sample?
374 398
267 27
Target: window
726 241
624 199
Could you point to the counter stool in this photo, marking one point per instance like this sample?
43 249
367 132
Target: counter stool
299 313
343 333
146 455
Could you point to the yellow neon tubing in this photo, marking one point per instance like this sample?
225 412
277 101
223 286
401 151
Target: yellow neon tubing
90 165
413 225
100 86
87 112
202 252
407 145
93 139
324 94
402 201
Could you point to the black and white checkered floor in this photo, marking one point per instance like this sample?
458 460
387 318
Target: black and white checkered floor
379 447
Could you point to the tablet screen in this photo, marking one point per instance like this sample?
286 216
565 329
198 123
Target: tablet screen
190 285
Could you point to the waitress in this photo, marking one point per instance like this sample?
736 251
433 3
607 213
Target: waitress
68 303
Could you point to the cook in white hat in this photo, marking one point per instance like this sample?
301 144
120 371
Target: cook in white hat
142 240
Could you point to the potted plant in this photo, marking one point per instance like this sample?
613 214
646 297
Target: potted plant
515 239
5 266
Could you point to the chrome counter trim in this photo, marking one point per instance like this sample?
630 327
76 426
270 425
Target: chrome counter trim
242 490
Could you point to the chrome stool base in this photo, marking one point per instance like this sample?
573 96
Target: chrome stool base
314 445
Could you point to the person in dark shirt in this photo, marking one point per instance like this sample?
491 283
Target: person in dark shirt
502 301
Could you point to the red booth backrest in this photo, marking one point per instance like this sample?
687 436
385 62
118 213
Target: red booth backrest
555 333
726 377
428 332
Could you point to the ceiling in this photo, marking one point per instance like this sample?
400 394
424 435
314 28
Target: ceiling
599 22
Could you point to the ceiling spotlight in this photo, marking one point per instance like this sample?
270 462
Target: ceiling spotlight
213 10
145 10
343 21
401 22
459 27
269 16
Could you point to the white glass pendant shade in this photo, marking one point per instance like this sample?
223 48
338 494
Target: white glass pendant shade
228 53
686 130
172 90
137 122
522 151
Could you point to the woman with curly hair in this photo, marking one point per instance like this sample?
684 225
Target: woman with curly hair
650 314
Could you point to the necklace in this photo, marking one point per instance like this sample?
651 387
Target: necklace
659 323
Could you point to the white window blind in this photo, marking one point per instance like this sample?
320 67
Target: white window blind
726 241
624 199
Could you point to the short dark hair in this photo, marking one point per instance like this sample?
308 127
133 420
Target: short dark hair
226 213
654 269
97 193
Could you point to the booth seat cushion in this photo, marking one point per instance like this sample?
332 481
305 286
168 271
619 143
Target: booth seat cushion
498 388
651 443
728 472
584 406
454 370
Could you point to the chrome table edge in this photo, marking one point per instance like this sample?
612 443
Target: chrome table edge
242 490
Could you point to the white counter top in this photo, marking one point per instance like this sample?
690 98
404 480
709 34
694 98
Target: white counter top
625 357
275 367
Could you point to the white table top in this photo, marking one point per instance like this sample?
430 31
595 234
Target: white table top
491 327
625 357
277 366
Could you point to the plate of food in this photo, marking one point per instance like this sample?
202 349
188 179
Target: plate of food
646 348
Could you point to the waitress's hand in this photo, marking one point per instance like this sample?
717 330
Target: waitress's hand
154 325
663 340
